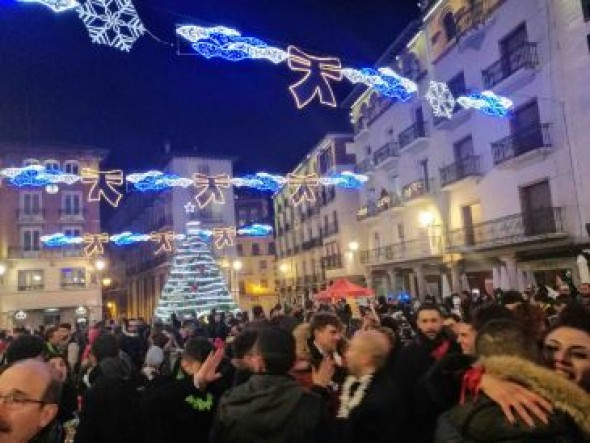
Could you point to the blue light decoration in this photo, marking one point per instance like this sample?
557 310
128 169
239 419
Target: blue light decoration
384 80
229 44
157 181
261 181
60 239
404 297
487 102
255 230
37 176
346 179
114 23
128 238
55 5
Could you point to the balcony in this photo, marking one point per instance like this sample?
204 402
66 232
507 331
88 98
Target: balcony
34 215
522 57
386 202
332 262
540 224
398 252
310 244
32 287
413 136
364 166
416 191
385 153
17 252
68 215
73 285
459 171
522 145
329 229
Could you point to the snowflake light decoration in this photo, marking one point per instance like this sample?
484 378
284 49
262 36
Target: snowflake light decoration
113 23
441 99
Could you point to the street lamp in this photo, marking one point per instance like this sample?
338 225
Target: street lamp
100 265
236 266
106 282
426 218
353 246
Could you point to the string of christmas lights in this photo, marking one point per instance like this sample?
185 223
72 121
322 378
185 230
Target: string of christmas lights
222 236
115 23
107 185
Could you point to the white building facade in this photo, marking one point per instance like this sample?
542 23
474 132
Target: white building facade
317 242
459 198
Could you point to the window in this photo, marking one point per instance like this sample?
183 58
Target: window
449 26
526 127
73 232
31 203
30 240
52 165
71 203
73 277
240 250
586 9
30 280
376 240
457 85
463 149
30 162
72 167
262 265
255 249
400 232
264 283
325 160
537 210
424 173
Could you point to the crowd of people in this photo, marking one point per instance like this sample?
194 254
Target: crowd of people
507 368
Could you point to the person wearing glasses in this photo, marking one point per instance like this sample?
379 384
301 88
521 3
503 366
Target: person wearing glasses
29 397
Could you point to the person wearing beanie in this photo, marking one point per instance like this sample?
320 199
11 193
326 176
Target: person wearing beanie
153 362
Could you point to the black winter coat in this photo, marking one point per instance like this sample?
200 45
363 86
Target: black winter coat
176 411
271 409
378 418
110 407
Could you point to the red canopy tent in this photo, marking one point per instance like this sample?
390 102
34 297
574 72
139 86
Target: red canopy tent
342 288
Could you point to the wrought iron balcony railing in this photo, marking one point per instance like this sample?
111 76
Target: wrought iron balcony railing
520 142
407 250
312 243
523 56
329 229
416 189
512 229
389 150
385 202
467 167
411 134
31 287
364 166
332 262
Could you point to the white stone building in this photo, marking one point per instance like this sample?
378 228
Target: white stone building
317 242
462 197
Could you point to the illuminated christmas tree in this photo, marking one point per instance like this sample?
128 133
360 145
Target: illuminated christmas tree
195 285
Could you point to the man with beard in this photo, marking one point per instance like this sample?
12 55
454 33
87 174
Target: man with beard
29 396
413 362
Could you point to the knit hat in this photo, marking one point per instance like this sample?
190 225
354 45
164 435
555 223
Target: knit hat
154 356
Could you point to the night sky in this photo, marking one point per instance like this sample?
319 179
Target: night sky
55 85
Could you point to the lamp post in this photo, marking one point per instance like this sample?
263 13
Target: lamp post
100 265
236 266
283 269
2 272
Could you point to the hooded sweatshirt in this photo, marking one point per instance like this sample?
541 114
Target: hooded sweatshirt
270 408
